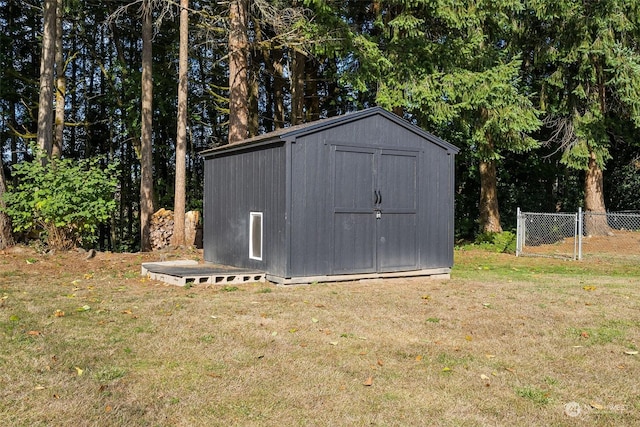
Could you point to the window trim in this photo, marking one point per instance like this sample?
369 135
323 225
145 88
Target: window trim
252 249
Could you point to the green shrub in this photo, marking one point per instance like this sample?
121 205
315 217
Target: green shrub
504 242
62 200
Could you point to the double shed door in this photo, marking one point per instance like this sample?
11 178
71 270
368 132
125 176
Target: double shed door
375 210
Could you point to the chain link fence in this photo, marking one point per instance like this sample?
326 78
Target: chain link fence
547 234
579 235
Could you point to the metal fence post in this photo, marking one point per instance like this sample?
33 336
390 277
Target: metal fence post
580 225
518 232
575 235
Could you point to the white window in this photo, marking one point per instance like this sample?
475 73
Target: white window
255 235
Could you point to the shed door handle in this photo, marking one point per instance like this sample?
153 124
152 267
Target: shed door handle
375 193
378 195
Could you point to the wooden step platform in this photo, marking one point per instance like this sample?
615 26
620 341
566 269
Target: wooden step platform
189 272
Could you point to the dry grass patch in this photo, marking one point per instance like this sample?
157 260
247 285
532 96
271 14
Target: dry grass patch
507 341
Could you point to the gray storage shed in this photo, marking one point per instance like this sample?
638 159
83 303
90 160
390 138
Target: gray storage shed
365 194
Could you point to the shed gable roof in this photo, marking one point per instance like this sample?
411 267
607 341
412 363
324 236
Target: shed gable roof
293 132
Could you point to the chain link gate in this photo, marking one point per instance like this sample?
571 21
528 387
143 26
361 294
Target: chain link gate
572 235
539 229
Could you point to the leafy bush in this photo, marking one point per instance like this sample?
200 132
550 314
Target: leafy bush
62 200
504 242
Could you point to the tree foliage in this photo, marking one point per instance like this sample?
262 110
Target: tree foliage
542 96
457 66
592 73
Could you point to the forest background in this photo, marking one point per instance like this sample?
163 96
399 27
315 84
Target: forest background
542 97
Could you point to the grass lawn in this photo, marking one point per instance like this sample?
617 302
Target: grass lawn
506 342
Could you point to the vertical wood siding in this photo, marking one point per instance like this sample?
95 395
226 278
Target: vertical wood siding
236 184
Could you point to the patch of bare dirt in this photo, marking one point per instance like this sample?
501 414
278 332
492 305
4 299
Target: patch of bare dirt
621 243
79 263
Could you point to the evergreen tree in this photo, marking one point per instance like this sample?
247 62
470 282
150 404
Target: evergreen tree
455 66
590 62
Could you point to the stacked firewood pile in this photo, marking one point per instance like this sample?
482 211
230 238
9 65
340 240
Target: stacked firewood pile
161 228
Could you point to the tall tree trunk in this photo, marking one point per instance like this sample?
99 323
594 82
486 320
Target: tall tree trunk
268 123
238 83
181 139
6 237
14 139
311 89
278 90
297 88
73 134
146 149
47 64
254 94
596 223
489 211
61 84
